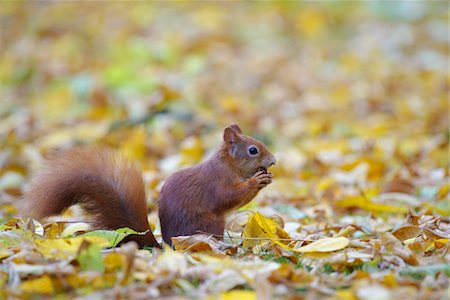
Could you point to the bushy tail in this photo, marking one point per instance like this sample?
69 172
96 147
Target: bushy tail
103 183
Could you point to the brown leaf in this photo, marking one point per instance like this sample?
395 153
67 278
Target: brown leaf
392 244
407 232
282 274
399 185
200 243
436 234
412 218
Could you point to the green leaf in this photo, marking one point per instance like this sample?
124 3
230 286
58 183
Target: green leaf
9 239
371 266
114 237
90 258
422 271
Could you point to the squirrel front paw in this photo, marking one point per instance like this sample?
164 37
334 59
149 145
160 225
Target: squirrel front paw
260 179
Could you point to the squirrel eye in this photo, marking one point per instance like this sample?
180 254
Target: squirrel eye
253 150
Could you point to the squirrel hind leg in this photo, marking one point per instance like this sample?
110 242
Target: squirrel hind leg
142 240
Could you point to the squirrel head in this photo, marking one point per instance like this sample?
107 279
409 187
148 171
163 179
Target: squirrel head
245 153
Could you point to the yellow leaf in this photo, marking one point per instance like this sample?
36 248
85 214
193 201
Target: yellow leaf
91 131
41 285
376 167
64 248
346 295
209 17
113 261
55 103
390 280
105 281
87 132
324 184
326 244
310 23
409 241
238 295
350 62
5 253
444 191
439 243
134 146
54 230
316 255
443 211
428 246
77 280
230 104
346 232
259 226
341 95
75 227
191 151
362 202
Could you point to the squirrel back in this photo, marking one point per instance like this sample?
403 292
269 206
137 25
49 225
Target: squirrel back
103 183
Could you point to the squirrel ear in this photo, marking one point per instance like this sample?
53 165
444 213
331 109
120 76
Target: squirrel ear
236 128
229 135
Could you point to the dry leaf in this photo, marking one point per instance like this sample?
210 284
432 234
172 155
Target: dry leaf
264 228
407 232
327 244
40 285
65 248
195 243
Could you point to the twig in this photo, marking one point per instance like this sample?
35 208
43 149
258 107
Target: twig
230 237
253 238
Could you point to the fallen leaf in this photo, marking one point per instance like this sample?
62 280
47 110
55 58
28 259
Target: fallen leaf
238 295
113 261
54 230
259 226
67 247
74 228
362 202
40 285
327 244
399 185
113 237
407 232
90 257
200 243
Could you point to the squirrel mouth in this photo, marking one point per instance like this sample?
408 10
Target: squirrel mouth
261 169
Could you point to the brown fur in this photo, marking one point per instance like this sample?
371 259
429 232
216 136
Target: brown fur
197 198
105 185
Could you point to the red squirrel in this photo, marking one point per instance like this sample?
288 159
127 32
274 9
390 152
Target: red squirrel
197 199
112 189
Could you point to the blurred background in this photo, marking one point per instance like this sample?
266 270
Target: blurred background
346 94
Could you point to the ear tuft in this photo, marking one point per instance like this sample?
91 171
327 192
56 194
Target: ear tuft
229 135
236 128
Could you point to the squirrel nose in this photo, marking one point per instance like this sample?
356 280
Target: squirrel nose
271 161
